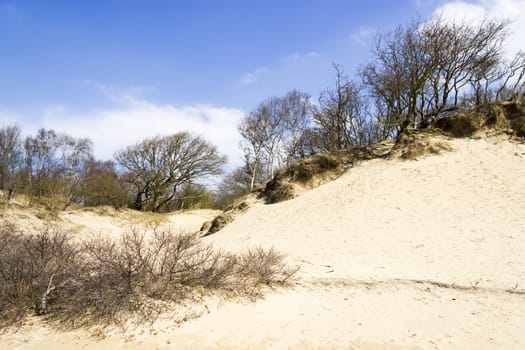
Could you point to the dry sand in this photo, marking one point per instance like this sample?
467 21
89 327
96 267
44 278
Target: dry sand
393 255
115 224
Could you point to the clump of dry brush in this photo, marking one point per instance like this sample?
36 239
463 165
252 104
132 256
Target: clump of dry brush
101 280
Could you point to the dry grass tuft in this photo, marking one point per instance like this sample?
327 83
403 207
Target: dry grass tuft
228 215
515 115
460 125
507 116
413 144
315 171
219 222
305 173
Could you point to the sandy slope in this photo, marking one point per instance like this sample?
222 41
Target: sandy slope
85 222
393 255
93 221
456 218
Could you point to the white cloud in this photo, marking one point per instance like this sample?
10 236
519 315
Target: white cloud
363 35
252 77
312 54
296 56
424 3
7 118
118 94
112 129
478 10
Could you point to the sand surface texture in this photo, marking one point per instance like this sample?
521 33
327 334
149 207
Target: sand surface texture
422 254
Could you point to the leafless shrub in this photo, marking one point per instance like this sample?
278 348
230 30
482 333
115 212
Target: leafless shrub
34 270
182 262
103 280
261 266
11 283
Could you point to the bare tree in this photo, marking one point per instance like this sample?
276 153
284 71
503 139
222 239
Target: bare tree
252 129
73 154
40 159
514 83
461 54
54 163
271 118
296 110
397 74
157 166
10 155
272 132
421 72
101 185
342 115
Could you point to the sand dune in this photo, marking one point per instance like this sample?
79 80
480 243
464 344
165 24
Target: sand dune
393 255
455 218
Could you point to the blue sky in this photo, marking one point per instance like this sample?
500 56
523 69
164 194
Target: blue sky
118 71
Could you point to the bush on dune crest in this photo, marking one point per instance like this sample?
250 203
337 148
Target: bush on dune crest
507 116
314 171
100 281
302 172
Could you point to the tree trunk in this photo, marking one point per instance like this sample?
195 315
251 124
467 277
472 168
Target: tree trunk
254 173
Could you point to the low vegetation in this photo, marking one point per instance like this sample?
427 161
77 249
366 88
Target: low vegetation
413 144
100 281
312 172
229 213
504 116
304 173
